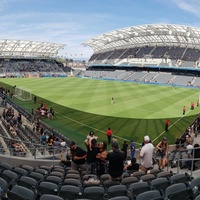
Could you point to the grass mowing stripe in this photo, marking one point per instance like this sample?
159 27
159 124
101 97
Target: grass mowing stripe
78 99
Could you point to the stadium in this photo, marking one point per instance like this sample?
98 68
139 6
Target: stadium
137 78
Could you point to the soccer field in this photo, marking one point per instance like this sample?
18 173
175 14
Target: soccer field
82 105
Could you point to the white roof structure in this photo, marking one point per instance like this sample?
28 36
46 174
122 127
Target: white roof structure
21 48
151 35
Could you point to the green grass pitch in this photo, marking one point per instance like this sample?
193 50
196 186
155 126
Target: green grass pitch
82 105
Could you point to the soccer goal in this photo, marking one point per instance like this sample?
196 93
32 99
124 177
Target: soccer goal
23 94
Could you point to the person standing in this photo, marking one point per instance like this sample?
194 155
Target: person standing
91 157
163 149
124 149
116 163
109 135
89 138
112 100
78 157
146 154
192 106
197 102
166 125
184 110
132 149
35 99
101 159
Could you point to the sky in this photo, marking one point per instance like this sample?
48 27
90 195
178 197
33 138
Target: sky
73 22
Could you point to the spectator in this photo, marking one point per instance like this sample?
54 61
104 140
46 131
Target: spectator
146 154
132 166
64 157
124 149
101 159
132 149
89 138
91 157
78 157
114 139
116 162
44 138
162 152
194 154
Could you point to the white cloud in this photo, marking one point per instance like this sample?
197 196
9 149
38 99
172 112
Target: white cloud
192 6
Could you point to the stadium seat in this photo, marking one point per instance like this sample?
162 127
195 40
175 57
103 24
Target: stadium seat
109 183
27 168
150 195
57 173
155 172
104 177
4 166
120 198
71 181
50 197
180 178
20 193
27 182
54 179
44 172
4 187
20 171
129 180
117 190
94 193
195 186
160 184
166 174
137 188
138 174
148 178
70 192
47 188
37 176
71 175
178 191
197 198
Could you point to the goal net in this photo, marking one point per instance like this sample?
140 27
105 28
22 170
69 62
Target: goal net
23 94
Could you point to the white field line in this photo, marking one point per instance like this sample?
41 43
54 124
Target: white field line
171 126
82 124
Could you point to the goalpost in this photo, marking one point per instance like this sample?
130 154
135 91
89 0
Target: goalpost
23 94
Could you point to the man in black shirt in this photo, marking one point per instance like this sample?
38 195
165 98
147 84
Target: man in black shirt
116 162
78 157
91 157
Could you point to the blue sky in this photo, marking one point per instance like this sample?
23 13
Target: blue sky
73 22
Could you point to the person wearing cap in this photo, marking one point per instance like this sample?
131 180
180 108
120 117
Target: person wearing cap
146 154
89 138
162 155
78 156
116 162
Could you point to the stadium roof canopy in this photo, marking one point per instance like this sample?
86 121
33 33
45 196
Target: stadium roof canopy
22 48
150 35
